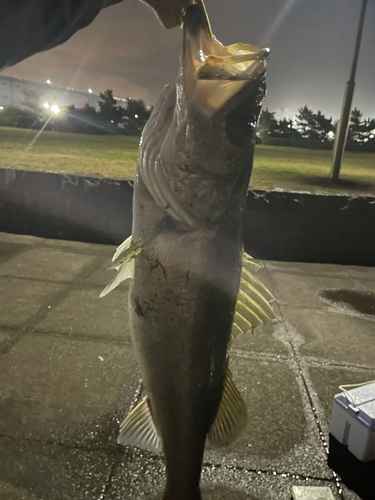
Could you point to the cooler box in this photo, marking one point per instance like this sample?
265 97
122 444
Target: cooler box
353 421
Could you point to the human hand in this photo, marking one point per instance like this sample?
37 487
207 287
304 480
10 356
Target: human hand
169 11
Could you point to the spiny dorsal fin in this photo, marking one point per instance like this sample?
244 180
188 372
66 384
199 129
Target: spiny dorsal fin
123 259
121 248
125 272
253 306
231 417
138 429
123 262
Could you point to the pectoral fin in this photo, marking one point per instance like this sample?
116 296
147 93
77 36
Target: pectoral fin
231 417
138 429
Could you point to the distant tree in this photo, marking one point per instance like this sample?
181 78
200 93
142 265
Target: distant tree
88 111
305 122
358 128
12 116
266 125
136 116
323 126
109 110
313 126
87 120
371 131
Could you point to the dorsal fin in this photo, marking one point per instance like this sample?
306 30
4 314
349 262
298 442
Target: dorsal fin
123 259
231 417
138 429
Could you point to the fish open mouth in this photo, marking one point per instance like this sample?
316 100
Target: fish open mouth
212 73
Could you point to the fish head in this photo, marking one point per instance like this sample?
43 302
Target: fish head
207 151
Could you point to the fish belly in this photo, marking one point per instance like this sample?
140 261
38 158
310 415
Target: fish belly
182 301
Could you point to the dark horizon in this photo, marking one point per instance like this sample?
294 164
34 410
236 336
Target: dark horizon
312 43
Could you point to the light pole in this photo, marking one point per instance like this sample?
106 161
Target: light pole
343 125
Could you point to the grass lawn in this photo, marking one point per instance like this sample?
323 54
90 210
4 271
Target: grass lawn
116 157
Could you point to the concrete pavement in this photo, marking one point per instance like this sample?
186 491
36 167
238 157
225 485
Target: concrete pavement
68 377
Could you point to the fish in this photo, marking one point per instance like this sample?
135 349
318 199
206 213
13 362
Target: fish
193 288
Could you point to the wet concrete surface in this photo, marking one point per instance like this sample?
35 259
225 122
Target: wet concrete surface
68 377
356 301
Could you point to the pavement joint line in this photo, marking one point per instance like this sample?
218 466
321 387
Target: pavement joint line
52 301
61 248
321 362
72 283
108 482
320 275
8 345
296 306
259 355
50 442
14 328
316 416
309 361
90 268
16 253
269 472
123 340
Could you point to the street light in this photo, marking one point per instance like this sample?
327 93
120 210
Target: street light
343 125
90 91
49 82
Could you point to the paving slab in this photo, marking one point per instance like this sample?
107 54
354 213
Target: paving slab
300 290
141 475
19 238
332 335
326 381
8 250
68 377
361 272
20 299
52 382
265 338
101 275
3 337
369 284
79 247
10 492
276 420
281 432
46 264
82 312
308 268
36 471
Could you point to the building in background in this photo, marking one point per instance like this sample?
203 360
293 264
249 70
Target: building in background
27 94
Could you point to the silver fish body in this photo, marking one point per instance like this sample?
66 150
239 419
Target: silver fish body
182 301
194 168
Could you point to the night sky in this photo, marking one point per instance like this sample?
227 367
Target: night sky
311 41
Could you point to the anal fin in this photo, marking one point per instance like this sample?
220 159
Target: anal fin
231 417
138 429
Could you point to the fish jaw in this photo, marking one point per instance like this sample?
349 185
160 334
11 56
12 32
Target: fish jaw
212 73
206 155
